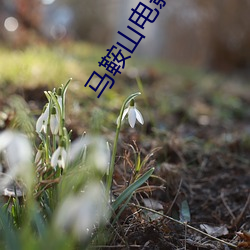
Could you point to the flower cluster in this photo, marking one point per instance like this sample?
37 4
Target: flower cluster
50 116
51 130
83 200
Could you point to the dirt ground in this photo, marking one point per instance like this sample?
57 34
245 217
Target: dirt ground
199 133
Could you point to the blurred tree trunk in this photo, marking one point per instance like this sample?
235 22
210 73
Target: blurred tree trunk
229 31
28 14
210 33
93 19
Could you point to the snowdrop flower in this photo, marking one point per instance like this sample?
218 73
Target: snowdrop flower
42 122
79 214
17 152
98 152
59 157
54 121
133 114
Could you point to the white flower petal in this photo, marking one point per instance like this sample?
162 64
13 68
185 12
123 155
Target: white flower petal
18 155
19 151
125 112
59 158
123 116
55 156
54 124
64 154
39 123
132 117
42 121
59 99
77 148
101 154
44 127
38 156
5 139
139 116
46 113
63 158
79 214
98 152
117 120
61 163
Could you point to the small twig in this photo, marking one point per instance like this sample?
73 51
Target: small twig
117 246
149 188
227 207
48 185
57 180
175 198
239 217
185 242
183 224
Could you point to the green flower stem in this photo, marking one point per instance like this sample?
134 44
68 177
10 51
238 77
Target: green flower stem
47 137
65 87
112 164
54 142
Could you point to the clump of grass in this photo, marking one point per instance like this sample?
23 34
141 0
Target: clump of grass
61 190
39 65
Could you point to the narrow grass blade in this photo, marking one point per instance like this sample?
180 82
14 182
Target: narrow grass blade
128 191
10 236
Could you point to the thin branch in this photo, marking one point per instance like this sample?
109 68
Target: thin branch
115 247
184 224
175 198
227 207
239 217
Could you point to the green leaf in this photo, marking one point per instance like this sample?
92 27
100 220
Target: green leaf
185 212
39 222
65 87
129 190
122 209
138 163
10 236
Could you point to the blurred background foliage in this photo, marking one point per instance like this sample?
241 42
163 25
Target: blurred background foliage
213 34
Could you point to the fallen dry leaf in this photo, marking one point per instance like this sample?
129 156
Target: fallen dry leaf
245 236
214 230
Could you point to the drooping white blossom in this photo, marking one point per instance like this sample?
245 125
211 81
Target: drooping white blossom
42 121
98 152
16 149
79 214
59 157
133 114
54 121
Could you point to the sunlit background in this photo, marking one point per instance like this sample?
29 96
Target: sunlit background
212 34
